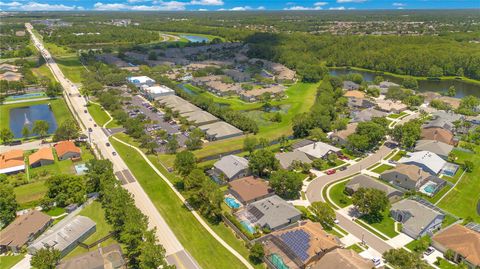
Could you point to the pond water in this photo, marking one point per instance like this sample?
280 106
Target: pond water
463 88
195 38
28 115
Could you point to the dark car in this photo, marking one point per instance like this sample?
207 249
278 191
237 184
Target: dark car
90 130
85 111
107 144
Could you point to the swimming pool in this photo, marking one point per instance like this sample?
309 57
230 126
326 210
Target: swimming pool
81 169
231 202
248 226
430 188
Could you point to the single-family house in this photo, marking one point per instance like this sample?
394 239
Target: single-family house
109 257
255 94
286 159
302 143
64 236
12 162
220 130
451 101
442 119
299 246
364 181
437 147
141 80
340 137
464 242
359 103
428 161
343 258
11 76
350 86
250 189
41 157
406 176
67 150
318 150
417 219
384 86
354 94
237 75
391 106
272 213
231 167
439 134
23 230
367 115
8 67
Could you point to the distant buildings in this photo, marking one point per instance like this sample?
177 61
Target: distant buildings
11 76
417 219
156 91
220 130
23 230
65 236
141 80
12 162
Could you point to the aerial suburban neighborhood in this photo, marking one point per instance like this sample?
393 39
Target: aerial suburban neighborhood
213 134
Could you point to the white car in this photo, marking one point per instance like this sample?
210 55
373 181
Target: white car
376 261
336 221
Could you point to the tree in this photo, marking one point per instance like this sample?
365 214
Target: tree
40 127
332 158
172 144
45 258
6 135
263 162
451 91
263 143
152 255
250 144
286 184
68 130
66 189
371 202
53 89
449 255
317 134
256 253
207 199
410 83
408 133
194 180
460 72
468 105
185 162
25 131
468 166
422 244
8 204
402 259
378 79
435 71
323 214
194 141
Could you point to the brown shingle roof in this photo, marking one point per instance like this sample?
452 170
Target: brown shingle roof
413 172
41 154
344 259
19 231
355 93
250 188
438 134
461 240
343 134
64 147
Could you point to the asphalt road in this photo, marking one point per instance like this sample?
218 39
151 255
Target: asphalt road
175 252
314 190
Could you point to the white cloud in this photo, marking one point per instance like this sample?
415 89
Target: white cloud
241 8
396 4
158 5
202 9
10 4
261 8
137 1
337 8
172 5
303 8
351 1
34 6
114 6
319 4
207 2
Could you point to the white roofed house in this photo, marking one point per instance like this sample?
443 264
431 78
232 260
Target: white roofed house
318 150
428 161
141 80
230 167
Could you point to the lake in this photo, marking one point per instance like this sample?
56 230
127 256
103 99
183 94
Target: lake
463 88
195 38
28 115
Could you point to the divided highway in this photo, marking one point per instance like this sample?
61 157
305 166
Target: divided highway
175 252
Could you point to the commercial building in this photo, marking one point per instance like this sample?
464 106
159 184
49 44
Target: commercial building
65 236
141 80
417 219
23 230
220 130
200 117
249 189
156 91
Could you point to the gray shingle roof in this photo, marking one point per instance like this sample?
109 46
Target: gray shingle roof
420 215
364 181
272 211
287 158
231 165
437 147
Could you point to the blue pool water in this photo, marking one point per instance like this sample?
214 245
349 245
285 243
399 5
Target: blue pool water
430 188
231 202
195 38
27 115
81 169
248 226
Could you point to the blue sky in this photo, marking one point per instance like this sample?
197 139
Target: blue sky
179 5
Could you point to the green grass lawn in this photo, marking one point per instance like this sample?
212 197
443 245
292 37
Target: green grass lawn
71 68
98 114
396 116
398 156
462 200
204 248
356 248
386 226
56 211
338 196
370 229
30 193
9 261
438 195
382 168
444 264
95 212
43 71
59 108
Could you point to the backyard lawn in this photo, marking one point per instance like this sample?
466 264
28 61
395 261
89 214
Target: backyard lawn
204 248
463 200
95 212
9 261
59 108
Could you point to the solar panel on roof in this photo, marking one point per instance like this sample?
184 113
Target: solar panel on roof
473 226
298 241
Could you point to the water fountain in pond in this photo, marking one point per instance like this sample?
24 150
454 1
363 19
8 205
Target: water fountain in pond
27 121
